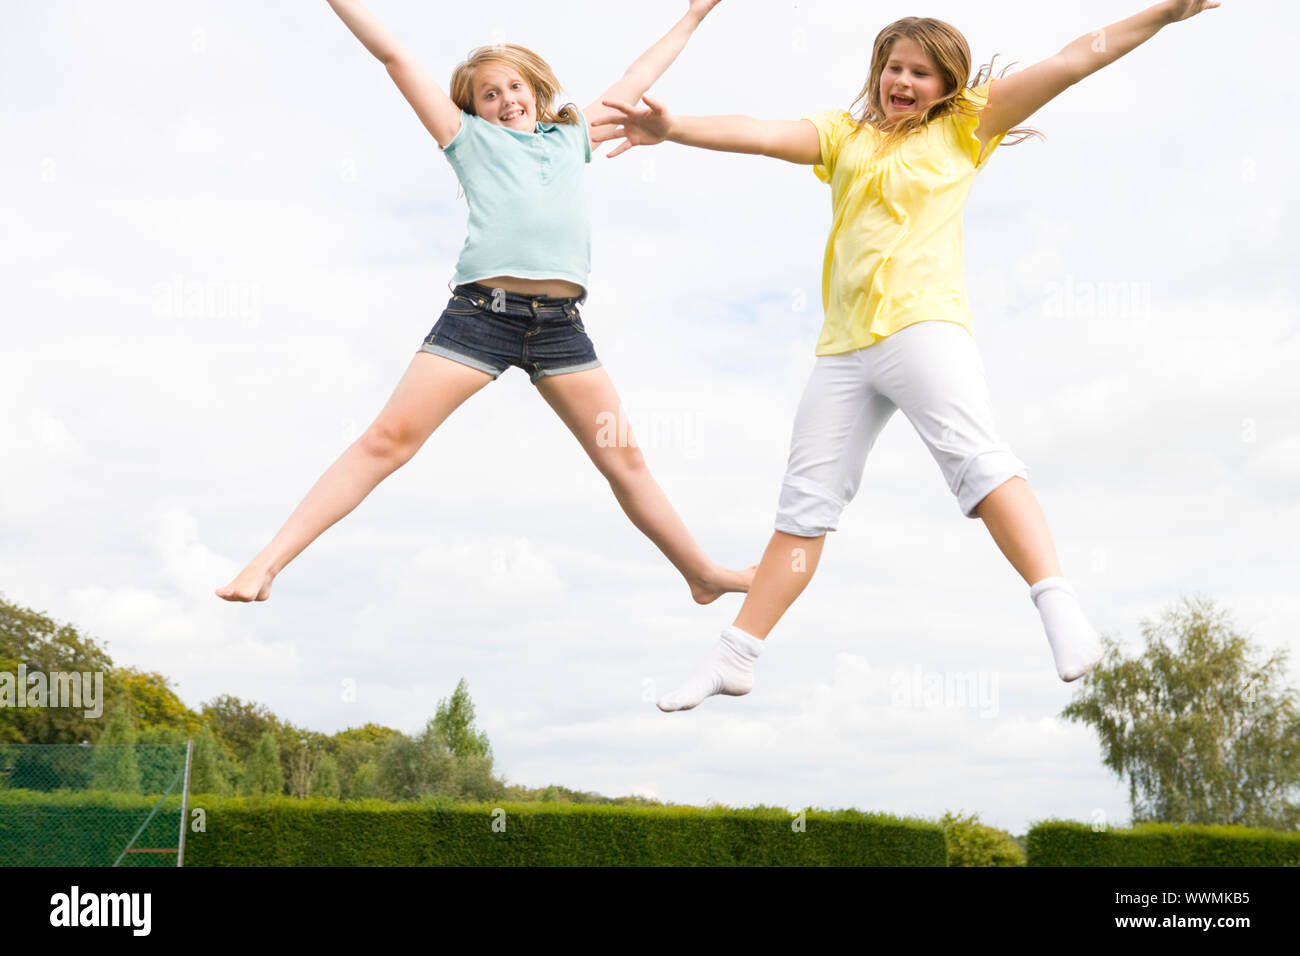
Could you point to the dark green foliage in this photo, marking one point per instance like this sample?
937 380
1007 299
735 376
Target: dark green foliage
210 768
113 764
325 779
91 828
263 775
157 758
49 767
284 832
1067 843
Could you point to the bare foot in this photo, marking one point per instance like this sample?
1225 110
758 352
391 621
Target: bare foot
252 584
723 581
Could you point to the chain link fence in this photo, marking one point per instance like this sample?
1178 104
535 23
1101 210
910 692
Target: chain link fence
102 805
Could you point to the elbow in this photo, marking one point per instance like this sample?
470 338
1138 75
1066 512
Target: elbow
1074 63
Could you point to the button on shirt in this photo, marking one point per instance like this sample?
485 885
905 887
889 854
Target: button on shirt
527 208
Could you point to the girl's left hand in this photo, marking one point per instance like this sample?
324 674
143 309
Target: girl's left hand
702 7
1182 9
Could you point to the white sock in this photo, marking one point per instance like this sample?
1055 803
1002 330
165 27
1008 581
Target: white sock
729 670
1075 645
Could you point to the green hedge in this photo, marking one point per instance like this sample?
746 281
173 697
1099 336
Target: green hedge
285 832
85 828
279 831
1067 843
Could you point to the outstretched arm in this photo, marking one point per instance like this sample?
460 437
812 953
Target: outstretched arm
795 141
651 64
440 116
1013 99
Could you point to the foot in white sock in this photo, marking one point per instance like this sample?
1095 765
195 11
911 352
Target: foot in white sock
1075 645
729 670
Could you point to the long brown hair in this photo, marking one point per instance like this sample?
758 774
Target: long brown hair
536 71
944 44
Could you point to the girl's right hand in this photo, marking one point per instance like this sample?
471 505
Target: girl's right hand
637 127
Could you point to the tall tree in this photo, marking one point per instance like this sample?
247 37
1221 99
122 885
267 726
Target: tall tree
453 723
113 764
1205 732
153 702
239 724
207 773
325 778
32 639
263 774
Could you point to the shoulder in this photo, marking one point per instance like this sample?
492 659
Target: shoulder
834 124
575 134
977 97
471 127
964 120
834 129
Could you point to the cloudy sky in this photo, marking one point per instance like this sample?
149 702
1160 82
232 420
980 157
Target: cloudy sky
225 234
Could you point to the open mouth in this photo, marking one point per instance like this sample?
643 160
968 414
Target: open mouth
901 102
513 114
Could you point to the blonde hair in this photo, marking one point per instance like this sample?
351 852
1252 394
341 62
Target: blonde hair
535 71
946 46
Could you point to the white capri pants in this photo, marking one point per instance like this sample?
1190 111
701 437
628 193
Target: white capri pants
933 372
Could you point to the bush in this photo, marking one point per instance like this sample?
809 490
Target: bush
971 843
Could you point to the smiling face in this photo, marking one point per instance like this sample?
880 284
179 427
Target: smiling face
910 81
503 97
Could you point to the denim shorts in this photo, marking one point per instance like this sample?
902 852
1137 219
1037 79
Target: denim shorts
491 329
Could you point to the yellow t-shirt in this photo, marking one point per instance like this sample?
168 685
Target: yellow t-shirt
894 256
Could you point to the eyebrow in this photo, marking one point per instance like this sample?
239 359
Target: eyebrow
489 84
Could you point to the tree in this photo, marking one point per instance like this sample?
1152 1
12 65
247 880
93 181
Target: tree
453 723
1205 733
160 751
239 725
971 843
411 768
302 751
112 763
153 702
263 774
325 778
207 766
359 749
43 645
365 783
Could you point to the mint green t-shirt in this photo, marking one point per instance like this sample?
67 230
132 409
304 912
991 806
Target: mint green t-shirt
527 208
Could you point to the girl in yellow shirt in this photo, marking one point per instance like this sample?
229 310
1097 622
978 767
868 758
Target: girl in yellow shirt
897 332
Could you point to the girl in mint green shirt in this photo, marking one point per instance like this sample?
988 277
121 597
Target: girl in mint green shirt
520 278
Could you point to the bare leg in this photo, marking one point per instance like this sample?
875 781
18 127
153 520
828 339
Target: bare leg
586 402
1014 518
787 567
430 390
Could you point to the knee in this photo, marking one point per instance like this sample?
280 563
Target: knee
621 464
806 509
388 441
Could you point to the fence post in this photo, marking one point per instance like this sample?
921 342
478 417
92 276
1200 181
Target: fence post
185 801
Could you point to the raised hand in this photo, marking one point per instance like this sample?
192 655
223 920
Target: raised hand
637 127
1182 9
702 7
